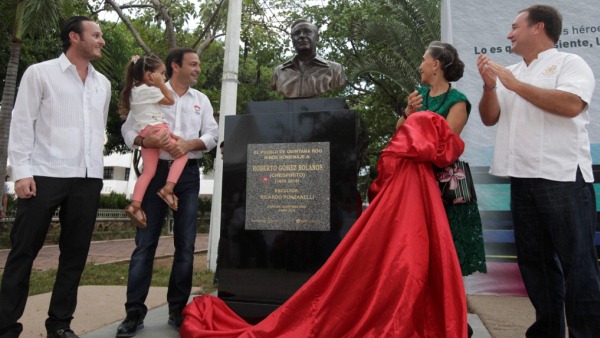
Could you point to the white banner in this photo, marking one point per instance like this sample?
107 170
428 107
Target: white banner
480 27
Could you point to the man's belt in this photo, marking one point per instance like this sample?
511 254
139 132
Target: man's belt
168 163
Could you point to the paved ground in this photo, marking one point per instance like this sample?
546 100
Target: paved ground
106 252
100 308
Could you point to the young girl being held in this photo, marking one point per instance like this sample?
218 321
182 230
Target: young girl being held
144 93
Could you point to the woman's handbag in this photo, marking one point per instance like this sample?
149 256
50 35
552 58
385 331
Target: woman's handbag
456 183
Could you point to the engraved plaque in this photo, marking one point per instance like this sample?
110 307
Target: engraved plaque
287 187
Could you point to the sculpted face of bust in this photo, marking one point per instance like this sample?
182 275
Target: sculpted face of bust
305 38
307 74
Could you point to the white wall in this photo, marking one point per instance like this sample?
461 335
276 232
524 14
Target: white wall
476 26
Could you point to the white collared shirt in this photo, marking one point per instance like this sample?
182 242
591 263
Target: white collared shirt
58 122
532 143
145 109
191 117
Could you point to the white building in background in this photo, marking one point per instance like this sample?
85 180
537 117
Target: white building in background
119 177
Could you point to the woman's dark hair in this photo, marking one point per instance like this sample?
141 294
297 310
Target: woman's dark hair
549 16
134 75
176 55
73 24
452 67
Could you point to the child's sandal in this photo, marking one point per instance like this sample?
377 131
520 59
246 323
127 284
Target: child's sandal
137 216
170 199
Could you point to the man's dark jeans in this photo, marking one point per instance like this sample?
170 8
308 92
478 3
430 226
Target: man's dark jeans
184 231
554 226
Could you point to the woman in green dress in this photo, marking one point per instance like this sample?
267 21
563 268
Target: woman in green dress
441 65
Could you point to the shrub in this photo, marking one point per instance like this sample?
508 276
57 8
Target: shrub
205 205
113 201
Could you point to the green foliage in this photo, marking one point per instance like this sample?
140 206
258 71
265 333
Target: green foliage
264 36
42 15
393 44
205 206
209 81
33 50
11 205
117 52
4 52
38 34
39 16
207 162
254 82
113 201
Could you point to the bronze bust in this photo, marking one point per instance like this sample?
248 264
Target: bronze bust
307 74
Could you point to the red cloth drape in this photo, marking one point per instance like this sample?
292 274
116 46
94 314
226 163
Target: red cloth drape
395 274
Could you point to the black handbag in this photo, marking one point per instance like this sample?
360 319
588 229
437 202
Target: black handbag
456 183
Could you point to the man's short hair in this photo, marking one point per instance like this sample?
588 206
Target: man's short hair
73 24
176 55
299 21
549 16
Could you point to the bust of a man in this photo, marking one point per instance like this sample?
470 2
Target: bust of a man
307 74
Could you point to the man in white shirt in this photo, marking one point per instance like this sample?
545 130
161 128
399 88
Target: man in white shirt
540 106
191 121
55 148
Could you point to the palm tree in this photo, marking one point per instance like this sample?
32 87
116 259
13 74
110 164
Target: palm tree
387 52
26 16
394 44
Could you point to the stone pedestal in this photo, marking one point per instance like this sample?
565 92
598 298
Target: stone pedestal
289 197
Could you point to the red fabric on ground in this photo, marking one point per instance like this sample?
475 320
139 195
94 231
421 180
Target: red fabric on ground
395 274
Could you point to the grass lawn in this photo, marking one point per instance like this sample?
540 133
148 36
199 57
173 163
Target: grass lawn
116 274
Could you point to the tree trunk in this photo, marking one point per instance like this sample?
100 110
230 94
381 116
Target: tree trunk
8 100
163 12
132 29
